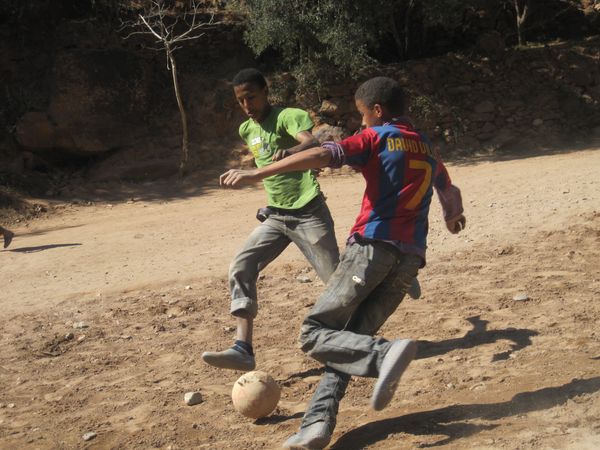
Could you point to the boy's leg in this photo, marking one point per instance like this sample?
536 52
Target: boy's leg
314 235
325 335
264 244
367 319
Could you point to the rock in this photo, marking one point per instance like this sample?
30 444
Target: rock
89 436
192 398
538 123
69 336
10 405
328 108
127 166
485 107
580 76
491 43
187 288
489 127
303 279
521 297
80 325
459 90
327 132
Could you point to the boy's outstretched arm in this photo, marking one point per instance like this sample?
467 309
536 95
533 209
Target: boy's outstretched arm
306 140
451 201
314 158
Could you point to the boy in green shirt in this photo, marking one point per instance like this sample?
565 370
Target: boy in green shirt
296 211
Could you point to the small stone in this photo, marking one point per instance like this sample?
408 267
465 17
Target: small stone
80 325
69 336
81 338
521 297
303 279
11 405
192 398
126 337
187 288
89 436
228 329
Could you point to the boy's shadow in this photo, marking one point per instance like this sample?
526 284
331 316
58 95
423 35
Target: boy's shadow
479 335
450 421
40 248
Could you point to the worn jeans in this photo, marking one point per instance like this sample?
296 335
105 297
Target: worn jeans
311 229
366 288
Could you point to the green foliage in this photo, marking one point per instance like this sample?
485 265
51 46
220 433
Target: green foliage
317 40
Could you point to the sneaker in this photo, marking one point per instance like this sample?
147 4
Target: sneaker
414 291
395 362
8 236
313 437
230 359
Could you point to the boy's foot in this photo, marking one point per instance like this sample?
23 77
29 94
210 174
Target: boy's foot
395 362
232 358
312 437
8 236
414 291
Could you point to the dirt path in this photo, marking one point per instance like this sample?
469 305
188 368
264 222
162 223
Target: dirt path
491 373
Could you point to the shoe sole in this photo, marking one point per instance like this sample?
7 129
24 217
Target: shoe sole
394 364
222 362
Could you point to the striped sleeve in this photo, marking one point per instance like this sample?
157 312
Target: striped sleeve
358 148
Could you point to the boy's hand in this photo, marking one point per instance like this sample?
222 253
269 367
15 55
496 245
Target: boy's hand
237 178
456 224
280 154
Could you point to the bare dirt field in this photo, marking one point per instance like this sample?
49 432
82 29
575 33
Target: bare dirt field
106 309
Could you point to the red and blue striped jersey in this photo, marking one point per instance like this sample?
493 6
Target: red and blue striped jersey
401 169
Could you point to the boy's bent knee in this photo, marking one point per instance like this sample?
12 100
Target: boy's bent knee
307 337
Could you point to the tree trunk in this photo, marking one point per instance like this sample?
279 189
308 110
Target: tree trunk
184 125
521 16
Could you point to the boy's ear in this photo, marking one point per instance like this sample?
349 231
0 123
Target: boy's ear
378 110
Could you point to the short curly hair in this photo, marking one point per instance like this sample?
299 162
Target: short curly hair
251 76
383 91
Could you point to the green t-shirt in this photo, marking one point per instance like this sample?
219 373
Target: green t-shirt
290 190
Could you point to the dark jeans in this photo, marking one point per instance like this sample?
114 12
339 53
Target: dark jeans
366 288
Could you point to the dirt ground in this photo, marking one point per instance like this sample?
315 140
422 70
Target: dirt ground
148 280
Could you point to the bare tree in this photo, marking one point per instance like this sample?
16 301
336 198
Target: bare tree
169 29
521 10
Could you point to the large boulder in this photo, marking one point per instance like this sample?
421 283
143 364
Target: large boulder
99 102
325 132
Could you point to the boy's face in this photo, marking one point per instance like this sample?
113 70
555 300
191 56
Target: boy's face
371 116
253 100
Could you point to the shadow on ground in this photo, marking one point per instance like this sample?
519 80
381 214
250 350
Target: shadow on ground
451 421
40 248
479 335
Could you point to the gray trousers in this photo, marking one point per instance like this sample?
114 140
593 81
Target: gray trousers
366 288
311 229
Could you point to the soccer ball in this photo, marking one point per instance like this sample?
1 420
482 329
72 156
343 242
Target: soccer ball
255 394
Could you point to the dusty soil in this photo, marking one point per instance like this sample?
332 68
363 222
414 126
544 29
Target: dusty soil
148 279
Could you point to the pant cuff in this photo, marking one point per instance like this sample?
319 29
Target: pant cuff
244 305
